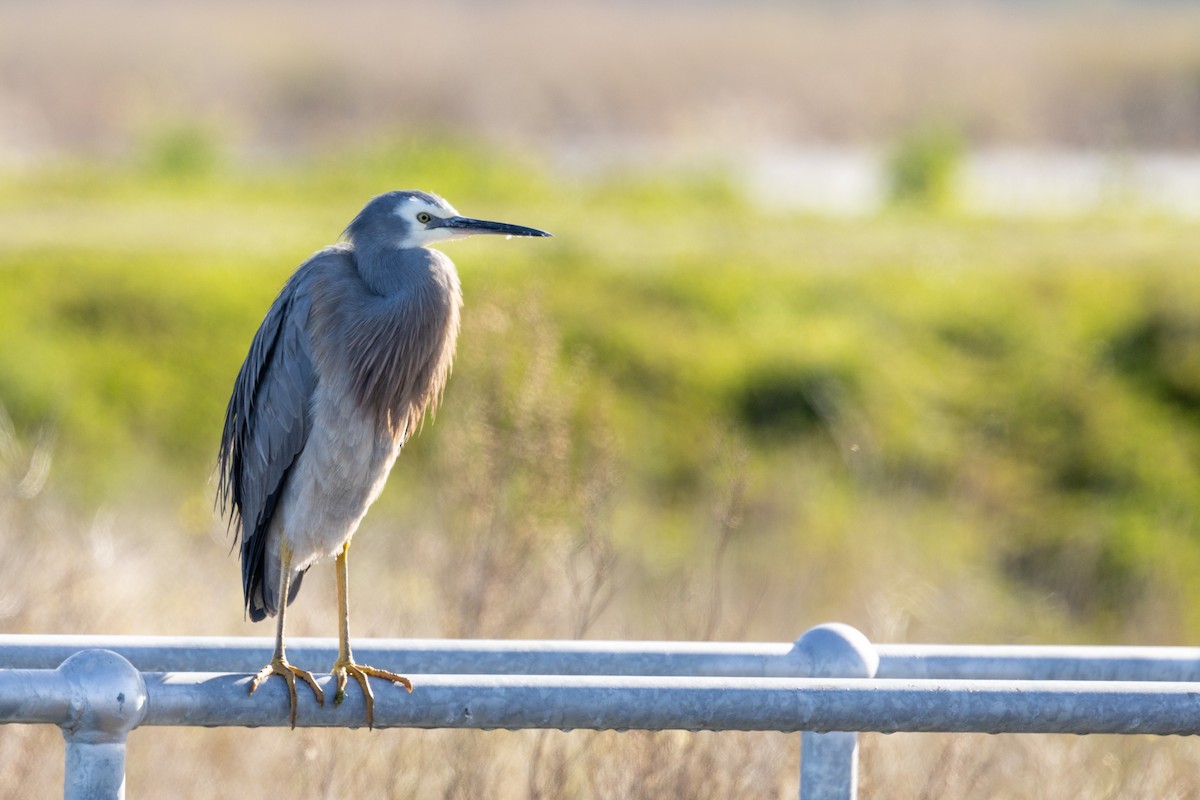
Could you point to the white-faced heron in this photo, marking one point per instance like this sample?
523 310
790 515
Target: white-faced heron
353 352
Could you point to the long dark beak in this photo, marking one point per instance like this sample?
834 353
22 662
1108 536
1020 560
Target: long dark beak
466 225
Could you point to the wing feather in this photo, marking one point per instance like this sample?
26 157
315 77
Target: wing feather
267 421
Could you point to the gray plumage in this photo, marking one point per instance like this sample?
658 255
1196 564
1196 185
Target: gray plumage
354 351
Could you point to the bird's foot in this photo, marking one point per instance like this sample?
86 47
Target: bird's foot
280 666
345 667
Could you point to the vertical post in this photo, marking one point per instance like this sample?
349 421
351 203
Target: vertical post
108 699
829 765
95 770
829 761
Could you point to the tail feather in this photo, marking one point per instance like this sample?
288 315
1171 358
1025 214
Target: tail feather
262 602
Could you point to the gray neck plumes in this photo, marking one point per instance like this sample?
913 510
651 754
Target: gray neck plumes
396 316
389 271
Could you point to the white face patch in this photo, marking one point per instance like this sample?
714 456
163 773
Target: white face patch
418 212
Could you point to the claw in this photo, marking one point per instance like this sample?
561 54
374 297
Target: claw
280 666
344 668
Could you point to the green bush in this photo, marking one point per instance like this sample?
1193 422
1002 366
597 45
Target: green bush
923 166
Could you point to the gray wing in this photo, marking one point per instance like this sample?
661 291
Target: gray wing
267 424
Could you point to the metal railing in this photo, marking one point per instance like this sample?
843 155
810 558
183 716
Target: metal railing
829 684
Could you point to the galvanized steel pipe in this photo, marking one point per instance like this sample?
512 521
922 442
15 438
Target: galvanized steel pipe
534 657
672 703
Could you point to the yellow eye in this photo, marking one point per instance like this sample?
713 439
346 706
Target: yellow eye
424 218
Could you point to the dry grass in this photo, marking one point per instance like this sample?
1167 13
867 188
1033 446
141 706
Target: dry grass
979 766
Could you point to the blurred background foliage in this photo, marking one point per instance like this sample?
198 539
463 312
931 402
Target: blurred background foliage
1033 384
696 412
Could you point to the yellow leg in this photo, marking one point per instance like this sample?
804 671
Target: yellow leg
345 666
279 664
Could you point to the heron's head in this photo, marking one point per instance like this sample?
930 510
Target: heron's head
418 219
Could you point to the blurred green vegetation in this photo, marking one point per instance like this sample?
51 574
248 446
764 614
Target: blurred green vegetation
923 165
1018 399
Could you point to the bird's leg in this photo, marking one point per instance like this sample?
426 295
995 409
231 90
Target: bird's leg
345 666
279 664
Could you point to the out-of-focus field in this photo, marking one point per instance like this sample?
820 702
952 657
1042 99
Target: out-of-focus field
277 78
687 416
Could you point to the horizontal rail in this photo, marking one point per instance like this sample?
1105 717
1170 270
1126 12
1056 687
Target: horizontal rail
668 703
1039 662
34 696
534 657
443 656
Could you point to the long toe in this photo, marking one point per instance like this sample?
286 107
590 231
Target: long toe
343 669
281 667
375 672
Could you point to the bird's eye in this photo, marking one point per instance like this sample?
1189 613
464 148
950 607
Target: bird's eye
424 218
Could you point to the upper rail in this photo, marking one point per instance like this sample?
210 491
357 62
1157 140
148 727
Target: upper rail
535 657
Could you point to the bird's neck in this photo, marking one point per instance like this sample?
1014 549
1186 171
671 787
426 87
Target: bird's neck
390 270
